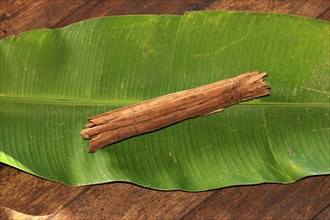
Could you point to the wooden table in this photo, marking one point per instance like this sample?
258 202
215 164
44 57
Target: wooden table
23 195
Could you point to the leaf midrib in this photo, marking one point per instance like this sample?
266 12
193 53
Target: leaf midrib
124 102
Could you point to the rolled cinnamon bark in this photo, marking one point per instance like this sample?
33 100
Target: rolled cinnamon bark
153 114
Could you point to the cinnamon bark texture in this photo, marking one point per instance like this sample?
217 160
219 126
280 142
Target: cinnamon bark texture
153 114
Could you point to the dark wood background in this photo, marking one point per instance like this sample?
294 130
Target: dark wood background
23 195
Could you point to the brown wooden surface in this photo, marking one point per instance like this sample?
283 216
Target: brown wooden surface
23 195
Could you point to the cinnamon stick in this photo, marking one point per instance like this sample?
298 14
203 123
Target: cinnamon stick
153 114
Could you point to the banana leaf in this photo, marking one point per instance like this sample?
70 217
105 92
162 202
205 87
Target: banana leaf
52 80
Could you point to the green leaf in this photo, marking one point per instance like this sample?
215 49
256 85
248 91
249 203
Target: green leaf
52 80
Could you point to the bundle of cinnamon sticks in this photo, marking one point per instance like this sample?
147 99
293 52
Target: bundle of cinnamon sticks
110 127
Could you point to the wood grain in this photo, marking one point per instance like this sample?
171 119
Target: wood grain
29 194
323 214
259 202
308 8
24 195
131 202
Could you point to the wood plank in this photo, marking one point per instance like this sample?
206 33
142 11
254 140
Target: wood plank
300 200
26 193
128 201
158 7
325 15
324 214
276 201
21 15
308 8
